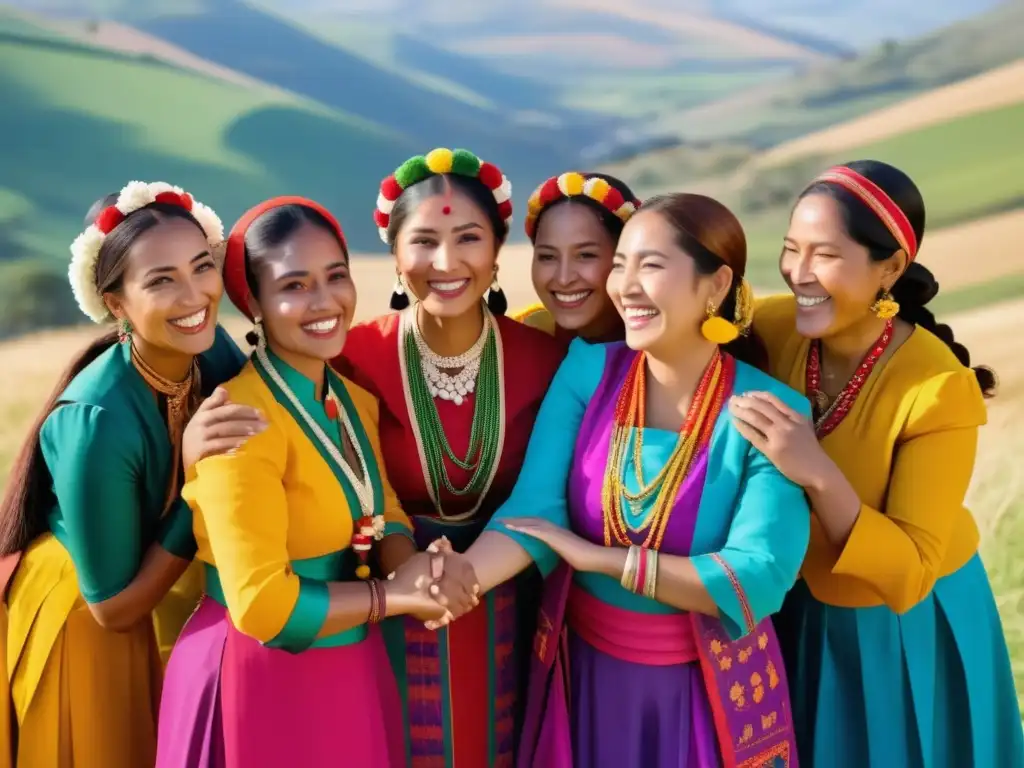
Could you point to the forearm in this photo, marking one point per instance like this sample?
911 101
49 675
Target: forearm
678 583
835 503
157 574
350 602
496 558
394 550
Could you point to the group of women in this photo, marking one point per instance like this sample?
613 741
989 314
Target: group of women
650 521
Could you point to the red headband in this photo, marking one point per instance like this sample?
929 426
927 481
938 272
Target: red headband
875 198
234 258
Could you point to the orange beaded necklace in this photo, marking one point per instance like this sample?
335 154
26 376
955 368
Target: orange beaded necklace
631 416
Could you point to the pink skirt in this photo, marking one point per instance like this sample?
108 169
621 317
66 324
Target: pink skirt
229 702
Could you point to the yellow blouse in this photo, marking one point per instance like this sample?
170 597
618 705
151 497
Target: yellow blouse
908 447
535 316
272 521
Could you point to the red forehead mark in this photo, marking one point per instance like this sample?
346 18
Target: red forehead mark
447 209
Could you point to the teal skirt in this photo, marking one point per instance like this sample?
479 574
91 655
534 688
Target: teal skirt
932 688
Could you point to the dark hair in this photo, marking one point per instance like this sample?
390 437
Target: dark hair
917 285
272 229
24 507
441 184
98 207
608 220
713 237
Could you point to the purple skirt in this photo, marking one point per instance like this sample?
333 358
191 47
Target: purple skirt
230 702
624 713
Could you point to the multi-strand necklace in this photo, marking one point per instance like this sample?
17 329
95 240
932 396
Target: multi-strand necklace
437 368
370 526
630 420
423 379
827 417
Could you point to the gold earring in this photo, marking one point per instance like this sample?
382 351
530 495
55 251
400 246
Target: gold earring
717 329
885 306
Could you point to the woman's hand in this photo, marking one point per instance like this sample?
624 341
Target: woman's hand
408 588
458 588
579 553
218 427
786 437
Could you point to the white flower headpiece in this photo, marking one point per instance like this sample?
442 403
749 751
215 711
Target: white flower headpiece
85 250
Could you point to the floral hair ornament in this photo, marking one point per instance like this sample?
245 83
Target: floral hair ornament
136 195
575 184
875 198
460 162
235 283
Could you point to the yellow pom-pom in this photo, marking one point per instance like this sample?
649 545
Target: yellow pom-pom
625 210
719 330
596 188
439 160
533 205
363 572
571 184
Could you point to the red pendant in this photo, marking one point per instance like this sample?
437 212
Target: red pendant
331 408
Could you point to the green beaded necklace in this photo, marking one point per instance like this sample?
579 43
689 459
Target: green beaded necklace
487 433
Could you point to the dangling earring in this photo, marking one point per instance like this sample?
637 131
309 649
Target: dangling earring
399 298
717 329
496 301
885 306
257 337
124 330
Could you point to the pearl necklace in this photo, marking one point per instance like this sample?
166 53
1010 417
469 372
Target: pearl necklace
448 386
363 487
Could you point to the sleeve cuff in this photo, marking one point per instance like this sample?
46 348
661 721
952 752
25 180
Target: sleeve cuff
542 555
392 528
175 532
306 619
725 589
860 556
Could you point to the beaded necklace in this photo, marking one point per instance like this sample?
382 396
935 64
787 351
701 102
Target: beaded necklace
487 432
370 525
630 418
826 417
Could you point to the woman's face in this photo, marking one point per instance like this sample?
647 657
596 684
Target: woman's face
170 291
447 260
657 290
572 258
306 295
834 279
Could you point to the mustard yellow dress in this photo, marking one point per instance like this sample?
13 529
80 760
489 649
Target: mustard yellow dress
82 696
894 647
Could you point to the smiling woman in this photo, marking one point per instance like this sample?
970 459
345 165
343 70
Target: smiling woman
459 386
92 522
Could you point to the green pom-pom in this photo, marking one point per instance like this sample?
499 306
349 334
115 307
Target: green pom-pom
465 163
412 171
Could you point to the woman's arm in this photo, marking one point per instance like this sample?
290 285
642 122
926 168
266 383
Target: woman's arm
97 467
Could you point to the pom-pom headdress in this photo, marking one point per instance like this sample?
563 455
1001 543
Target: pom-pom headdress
461 162
85 250
574 184
235 284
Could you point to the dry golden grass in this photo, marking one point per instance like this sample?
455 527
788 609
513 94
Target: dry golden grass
976 252
999 87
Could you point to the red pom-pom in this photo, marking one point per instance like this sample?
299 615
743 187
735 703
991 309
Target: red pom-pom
169 198
613 200
505 209
490 175
550 192
381 219
390 189
186 201
109 218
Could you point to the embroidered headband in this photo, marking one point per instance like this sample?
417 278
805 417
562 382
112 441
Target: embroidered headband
235 284
574 184
136 195
460 162
875 198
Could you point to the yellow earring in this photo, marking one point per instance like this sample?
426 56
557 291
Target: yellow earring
717 329
885 306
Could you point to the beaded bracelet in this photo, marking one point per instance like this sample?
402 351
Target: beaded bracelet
640 573
377 601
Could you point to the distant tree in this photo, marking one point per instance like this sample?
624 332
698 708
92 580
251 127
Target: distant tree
33 296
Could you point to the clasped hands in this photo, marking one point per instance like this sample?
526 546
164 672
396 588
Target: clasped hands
440 584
